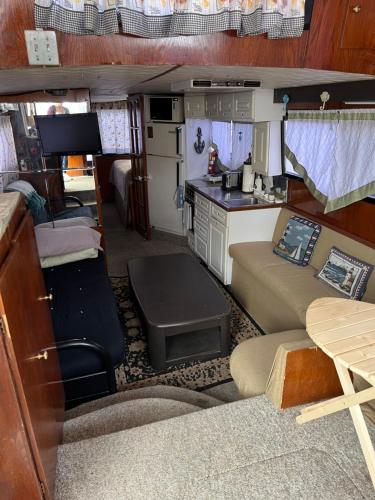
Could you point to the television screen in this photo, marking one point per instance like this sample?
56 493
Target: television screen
69 134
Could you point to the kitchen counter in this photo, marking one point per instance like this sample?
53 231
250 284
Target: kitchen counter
230 201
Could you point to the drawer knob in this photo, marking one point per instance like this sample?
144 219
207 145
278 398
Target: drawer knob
46 297
356 9
40 356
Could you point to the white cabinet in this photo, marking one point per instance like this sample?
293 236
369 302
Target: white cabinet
212 106
215 230
267 148
217 248
243 107
195 106
225 107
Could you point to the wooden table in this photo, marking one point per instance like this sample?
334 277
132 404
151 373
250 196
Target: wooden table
345 330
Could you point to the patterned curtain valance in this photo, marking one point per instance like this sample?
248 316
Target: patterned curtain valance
96 106
165 18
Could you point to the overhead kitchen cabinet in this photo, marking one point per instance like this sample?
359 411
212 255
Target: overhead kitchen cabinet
195 106
212 102
267 148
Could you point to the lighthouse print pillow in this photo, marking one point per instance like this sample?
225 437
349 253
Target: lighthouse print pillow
298 241
346 274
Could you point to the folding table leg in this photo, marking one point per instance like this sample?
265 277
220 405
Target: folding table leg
358 420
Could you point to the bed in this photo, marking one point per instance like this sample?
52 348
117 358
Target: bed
120 177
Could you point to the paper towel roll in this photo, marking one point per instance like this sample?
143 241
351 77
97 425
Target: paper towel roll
248 179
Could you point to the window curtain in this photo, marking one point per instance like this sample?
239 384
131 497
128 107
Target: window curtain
241 143
335 154
8 157
222 137
164 18
114 129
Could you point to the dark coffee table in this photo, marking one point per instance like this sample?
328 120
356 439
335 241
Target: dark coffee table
184 312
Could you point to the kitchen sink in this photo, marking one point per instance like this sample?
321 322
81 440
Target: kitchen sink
234 203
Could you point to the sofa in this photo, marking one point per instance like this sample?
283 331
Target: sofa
275 292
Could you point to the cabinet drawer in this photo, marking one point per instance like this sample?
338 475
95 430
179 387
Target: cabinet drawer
201 247
219 214
201 217
201 229
202 203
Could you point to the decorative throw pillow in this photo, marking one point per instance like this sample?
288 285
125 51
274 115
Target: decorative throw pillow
345 273
298 241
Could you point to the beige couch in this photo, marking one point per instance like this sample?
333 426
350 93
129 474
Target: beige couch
276 292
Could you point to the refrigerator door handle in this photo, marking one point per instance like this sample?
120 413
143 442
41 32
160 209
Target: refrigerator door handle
178 173
178 136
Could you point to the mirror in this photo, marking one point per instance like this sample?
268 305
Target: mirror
67 182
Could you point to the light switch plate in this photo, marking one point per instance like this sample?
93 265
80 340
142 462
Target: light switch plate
42 48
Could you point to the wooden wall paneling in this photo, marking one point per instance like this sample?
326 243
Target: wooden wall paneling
356 220
329 35
216 49
103 164
29 332
18 478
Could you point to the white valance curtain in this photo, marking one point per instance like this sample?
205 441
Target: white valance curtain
8 156
335 154
164 18
114 128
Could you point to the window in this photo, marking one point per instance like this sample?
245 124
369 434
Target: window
234 141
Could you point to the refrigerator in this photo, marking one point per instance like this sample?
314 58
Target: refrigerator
165 148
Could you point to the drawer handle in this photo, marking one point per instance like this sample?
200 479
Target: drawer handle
357 9
40 356
46 297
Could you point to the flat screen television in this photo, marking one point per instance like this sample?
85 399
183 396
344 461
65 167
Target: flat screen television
74 134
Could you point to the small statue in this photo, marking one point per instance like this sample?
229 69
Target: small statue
199 145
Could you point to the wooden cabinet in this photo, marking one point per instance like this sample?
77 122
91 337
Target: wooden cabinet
266 148
358 31
195 106
29 378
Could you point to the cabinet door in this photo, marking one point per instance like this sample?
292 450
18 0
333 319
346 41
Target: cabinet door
29 341
212 106
195 106
260 147
358 30
217 248
243 106
201 246
225 107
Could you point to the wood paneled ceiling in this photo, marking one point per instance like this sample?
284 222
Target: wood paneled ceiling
117 80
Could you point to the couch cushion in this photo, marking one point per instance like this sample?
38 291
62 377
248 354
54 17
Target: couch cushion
294 285
327 239
251 361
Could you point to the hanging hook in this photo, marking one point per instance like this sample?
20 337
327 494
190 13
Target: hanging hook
324 97
286 100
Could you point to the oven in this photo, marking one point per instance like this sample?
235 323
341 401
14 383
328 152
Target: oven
189 209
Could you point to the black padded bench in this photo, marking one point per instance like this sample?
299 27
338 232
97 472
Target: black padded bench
184 312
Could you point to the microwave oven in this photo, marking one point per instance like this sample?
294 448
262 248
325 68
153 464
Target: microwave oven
164 108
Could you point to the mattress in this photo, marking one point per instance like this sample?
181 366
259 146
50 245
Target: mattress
120 176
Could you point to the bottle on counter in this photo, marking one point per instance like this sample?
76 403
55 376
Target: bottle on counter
212 156
258 183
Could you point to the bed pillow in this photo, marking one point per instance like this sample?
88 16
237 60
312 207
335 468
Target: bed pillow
59 260
298 241
64 240
74 221
345 273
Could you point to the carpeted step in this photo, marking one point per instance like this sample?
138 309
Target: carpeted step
158 391
122 416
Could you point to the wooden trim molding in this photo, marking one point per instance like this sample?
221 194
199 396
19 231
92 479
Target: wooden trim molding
357 221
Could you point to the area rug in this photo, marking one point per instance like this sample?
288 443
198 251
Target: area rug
136 371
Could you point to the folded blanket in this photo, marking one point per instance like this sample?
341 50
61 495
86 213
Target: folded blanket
34 202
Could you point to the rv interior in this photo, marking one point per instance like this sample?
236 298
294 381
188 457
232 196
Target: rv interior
187 224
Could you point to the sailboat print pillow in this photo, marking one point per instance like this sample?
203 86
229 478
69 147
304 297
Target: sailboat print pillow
298 241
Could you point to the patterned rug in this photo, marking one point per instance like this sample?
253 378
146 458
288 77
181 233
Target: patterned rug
135 371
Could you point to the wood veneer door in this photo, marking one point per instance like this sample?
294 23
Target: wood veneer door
139 191
359 25
18 477
28 334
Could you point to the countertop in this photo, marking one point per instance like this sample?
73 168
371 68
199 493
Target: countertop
231 201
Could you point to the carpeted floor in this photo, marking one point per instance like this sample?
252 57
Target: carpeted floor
136 371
